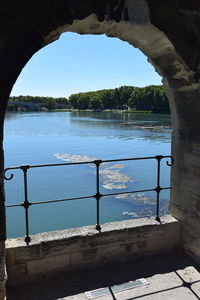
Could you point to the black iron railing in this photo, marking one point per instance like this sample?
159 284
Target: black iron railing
26 203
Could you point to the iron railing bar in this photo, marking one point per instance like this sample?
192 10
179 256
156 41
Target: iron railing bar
158 189
49 165
135 158
127 159
13 205
85 197
51 201
41 166
11 168
62 200
63 164
98 195
26 205
85 162
131 192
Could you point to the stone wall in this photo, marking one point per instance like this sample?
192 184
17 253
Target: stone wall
3 275
53 252
168 33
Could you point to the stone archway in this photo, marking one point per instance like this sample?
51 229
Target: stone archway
168 34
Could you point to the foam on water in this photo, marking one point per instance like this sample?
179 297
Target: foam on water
74 157
110 177
117 166
112 186
139 198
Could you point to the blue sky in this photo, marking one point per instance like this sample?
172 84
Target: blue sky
78 63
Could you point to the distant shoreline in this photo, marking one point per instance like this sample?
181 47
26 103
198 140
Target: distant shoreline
93 111
109 110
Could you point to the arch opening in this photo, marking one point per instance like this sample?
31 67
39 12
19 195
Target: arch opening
144 26
86 123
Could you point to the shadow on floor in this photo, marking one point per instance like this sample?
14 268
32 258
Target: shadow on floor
74 283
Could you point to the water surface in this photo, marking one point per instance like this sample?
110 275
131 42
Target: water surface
56 137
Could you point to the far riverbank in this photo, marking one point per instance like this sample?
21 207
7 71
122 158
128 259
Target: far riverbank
109 110
125 98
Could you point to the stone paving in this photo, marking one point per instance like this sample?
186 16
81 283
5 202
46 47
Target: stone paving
170 276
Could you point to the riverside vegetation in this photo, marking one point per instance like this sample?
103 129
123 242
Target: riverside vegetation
150 98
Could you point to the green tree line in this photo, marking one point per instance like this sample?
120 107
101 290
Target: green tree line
48 103
149 98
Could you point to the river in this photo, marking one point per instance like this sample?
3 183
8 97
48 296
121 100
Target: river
56 137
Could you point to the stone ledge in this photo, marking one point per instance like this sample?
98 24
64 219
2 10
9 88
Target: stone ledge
53 252
76 233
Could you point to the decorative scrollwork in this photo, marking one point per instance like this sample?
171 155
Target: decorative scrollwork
7 178
171 162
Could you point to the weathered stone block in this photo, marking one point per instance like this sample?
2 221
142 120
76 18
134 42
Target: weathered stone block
10 256
60 247
23 254
141 245
17 272
76 259
111 253
108 238
2 290
89 255
46 265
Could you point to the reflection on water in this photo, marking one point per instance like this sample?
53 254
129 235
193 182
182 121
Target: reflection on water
126 125
123 117
52 137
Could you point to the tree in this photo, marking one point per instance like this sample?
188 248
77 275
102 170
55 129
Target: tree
95 103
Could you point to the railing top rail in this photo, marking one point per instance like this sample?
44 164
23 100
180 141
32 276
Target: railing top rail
26 167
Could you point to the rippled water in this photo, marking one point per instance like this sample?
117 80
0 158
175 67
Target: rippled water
56 137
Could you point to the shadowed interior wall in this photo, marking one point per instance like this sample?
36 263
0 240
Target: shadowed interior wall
167 32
